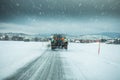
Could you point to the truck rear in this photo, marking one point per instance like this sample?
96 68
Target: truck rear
59 41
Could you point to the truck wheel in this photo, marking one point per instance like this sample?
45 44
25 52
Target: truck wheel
52 47
65 47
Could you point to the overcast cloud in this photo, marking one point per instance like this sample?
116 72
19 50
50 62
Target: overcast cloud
62 16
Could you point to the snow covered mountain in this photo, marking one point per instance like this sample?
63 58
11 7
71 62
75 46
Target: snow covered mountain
105 35
111 34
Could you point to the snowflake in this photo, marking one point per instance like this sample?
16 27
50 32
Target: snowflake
103 13
17 4
40 13
80 4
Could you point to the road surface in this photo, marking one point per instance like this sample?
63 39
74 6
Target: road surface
47 66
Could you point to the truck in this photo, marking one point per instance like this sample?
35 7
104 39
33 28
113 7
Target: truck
59 41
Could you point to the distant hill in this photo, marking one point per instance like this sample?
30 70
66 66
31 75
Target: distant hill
14 34
111 34
105 35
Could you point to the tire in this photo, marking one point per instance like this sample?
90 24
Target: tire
66 47
53 47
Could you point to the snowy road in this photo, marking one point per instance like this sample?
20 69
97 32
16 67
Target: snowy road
46 67
35 61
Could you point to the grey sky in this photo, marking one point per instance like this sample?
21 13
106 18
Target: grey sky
62 16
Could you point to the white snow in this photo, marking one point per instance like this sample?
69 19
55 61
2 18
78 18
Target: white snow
85 63
80 61
14 55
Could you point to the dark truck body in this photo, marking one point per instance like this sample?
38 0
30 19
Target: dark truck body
59 41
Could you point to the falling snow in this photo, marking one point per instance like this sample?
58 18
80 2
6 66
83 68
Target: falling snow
17 4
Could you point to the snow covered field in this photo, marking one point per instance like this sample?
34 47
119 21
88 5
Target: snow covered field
14 54
79 62
85 63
